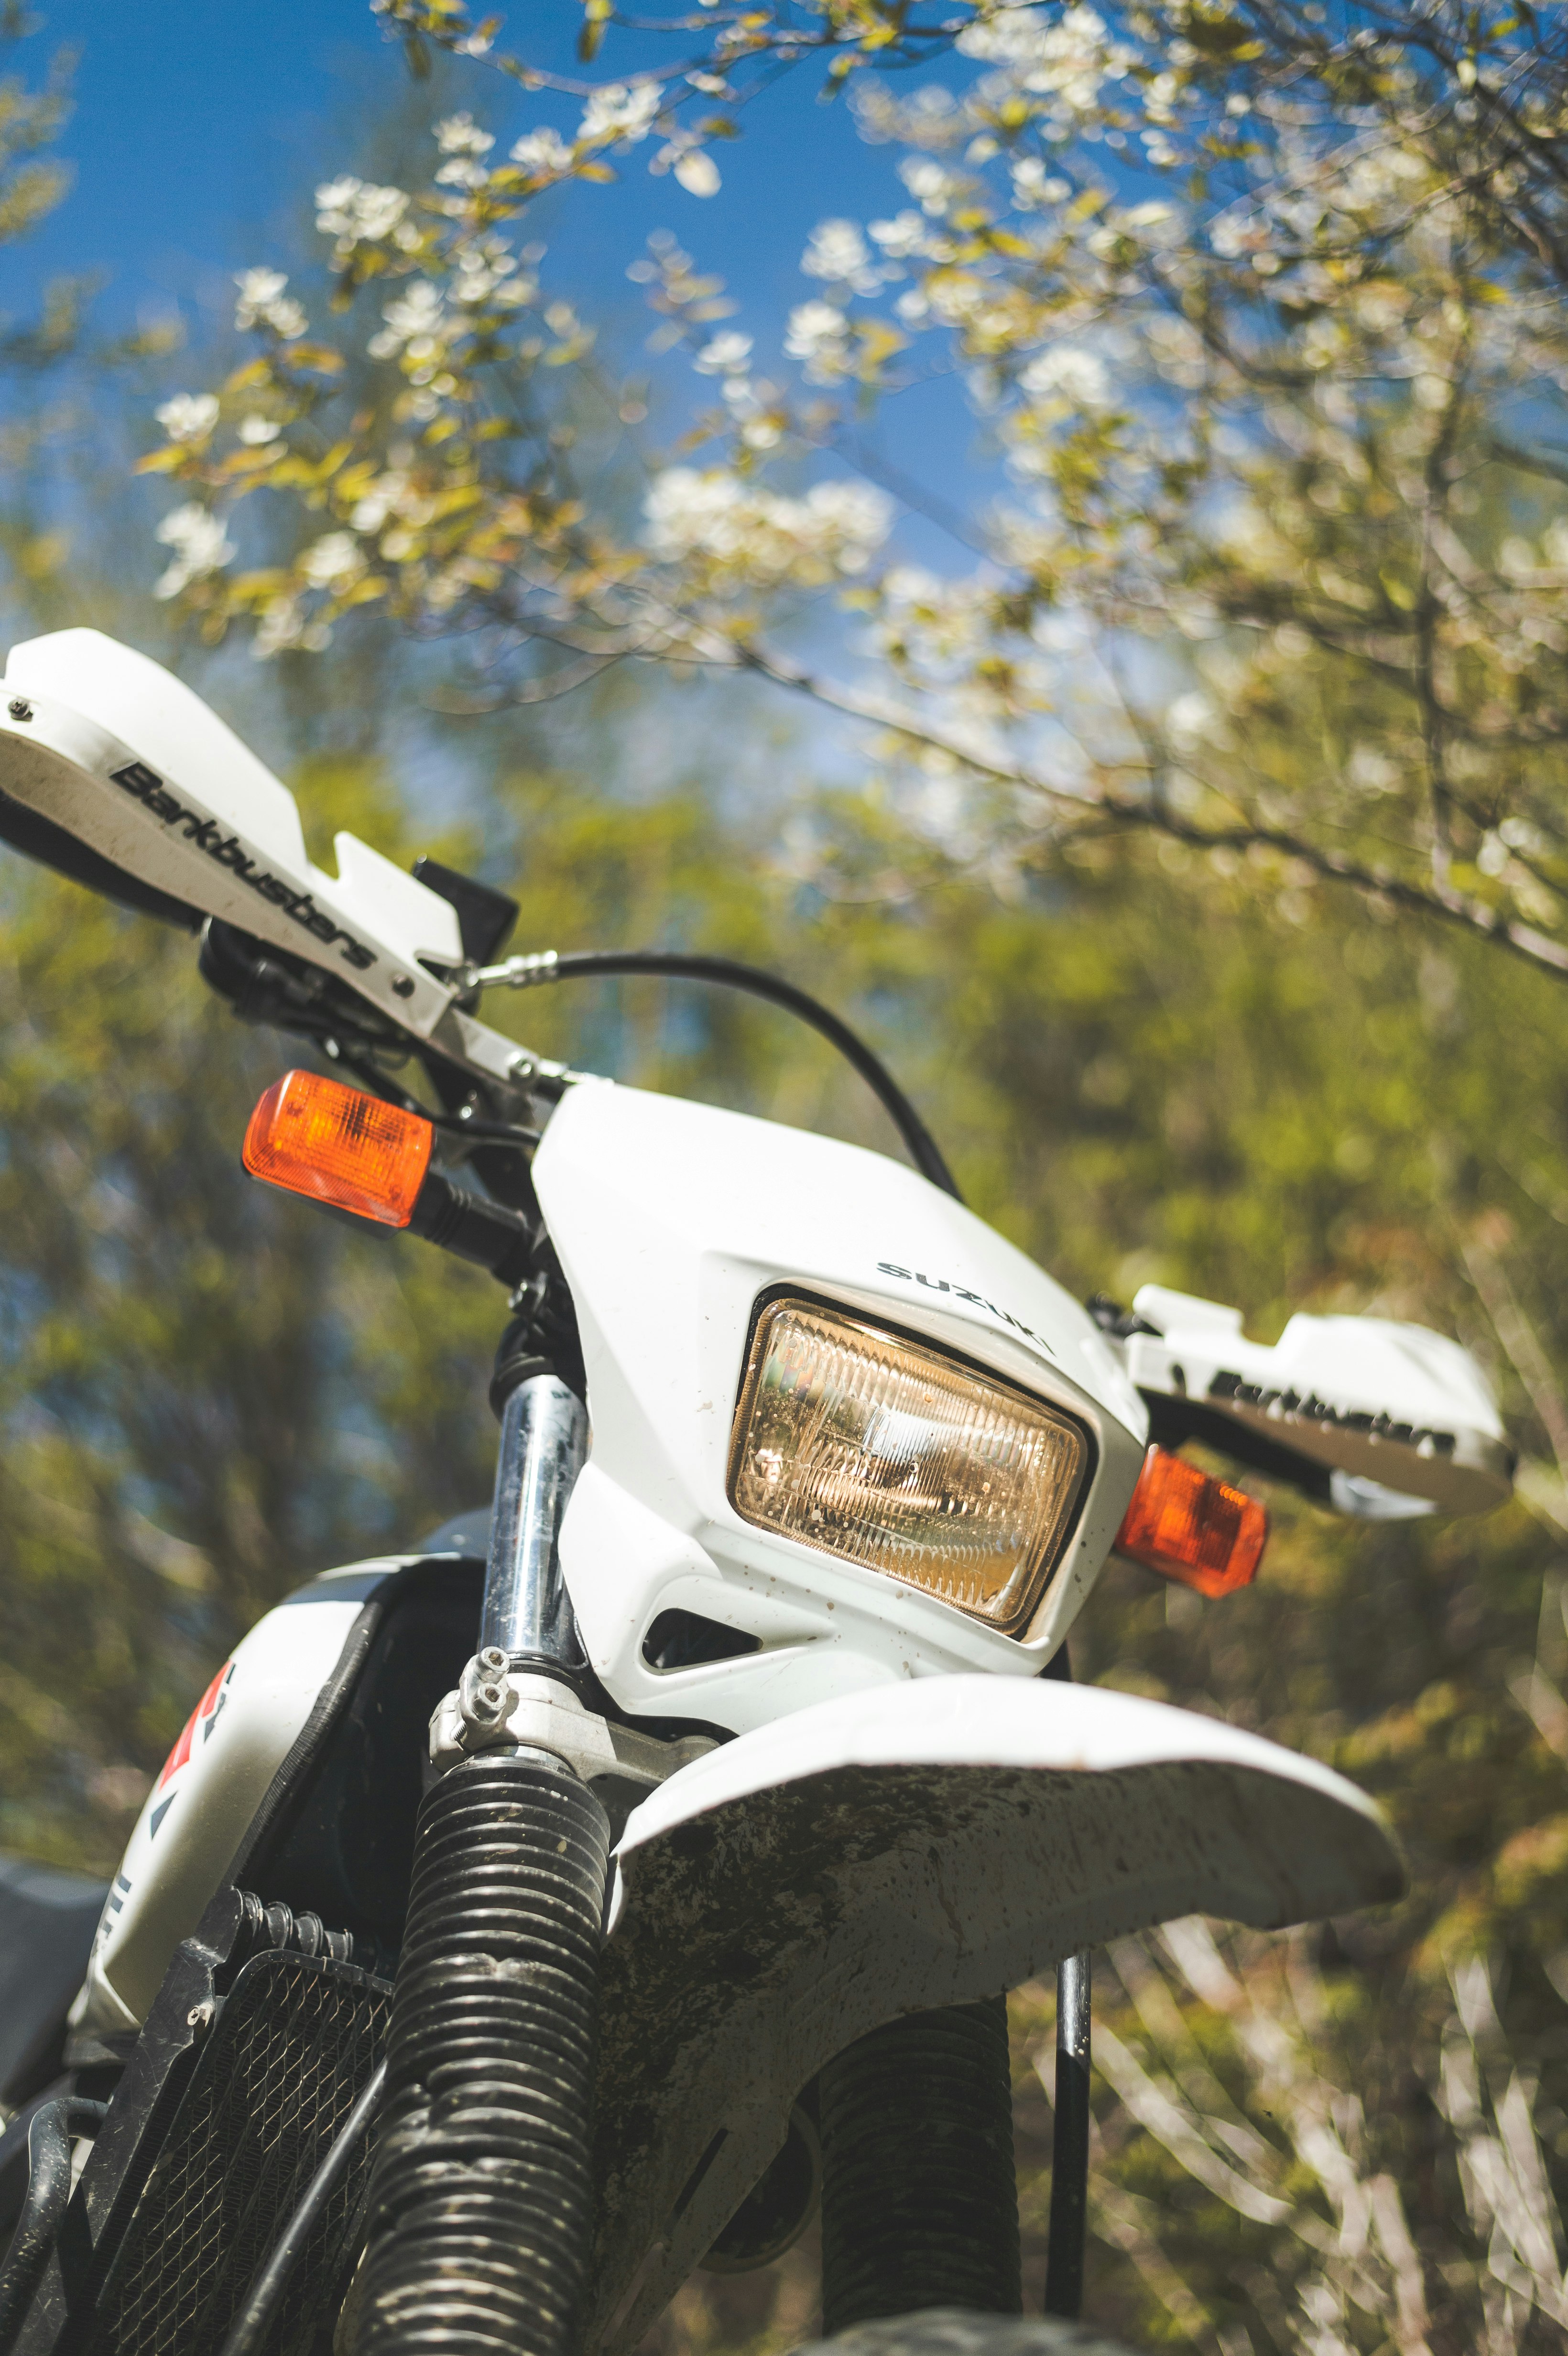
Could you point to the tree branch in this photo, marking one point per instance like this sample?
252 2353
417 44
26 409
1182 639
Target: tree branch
1126 812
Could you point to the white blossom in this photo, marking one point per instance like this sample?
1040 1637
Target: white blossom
484 271
620 111
462 172
1068 57
334 559
385 498
188 416
414 319
1068 369
698 173
257 289
1032 186
1176 349
749 533
1190 719
284 625
278 628
354 210
1008 36
837 251
818 334
256 431
459 134
200 545
932 187
1373 771
542 151
930 117
263 304
940 624
724 355
906 235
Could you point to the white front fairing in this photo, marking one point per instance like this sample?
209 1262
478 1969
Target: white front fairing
212 1784
670 1220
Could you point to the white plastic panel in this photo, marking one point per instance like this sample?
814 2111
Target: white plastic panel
1381 1402
196 1813
167 725
910 1848
108 746
671 1219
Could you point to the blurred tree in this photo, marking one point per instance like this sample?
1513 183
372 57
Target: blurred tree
1261 305
50 365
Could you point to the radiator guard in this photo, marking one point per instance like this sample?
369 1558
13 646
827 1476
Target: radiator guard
241 2079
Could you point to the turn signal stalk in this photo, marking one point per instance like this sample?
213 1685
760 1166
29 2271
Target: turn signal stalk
1192 1527
336 1145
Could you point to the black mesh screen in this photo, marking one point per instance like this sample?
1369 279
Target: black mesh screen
291 2048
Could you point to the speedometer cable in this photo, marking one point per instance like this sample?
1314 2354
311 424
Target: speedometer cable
567 965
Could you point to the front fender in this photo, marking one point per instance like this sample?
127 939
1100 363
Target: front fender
918 1845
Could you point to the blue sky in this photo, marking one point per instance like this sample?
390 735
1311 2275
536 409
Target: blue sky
200 126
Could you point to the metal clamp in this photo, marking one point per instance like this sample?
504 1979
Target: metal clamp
498 1706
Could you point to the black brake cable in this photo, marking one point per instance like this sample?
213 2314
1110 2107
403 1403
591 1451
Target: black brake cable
567 965
258 2312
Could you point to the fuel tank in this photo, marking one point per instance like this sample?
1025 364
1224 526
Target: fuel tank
256 1710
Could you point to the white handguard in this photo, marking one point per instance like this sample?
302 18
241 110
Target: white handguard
117 758
1402 1416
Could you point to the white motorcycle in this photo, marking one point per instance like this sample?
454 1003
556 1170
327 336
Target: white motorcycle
588 1895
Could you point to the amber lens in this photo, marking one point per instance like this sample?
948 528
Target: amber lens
1192 1527
900 1459
317 1138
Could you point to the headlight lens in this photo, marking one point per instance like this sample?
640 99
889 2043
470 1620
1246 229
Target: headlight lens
896 1457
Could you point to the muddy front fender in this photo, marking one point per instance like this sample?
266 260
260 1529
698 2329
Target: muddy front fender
925 1844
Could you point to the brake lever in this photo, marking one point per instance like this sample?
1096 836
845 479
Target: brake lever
485 1082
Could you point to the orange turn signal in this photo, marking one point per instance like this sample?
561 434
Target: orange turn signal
337 1145
1192 1527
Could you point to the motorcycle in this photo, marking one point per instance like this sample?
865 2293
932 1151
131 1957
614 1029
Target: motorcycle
599 1888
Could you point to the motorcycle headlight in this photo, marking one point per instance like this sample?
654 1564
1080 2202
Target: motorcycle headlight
895 1456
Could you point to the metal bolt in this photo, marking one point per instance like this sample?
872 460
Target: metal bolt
521 1067
403 985
19 708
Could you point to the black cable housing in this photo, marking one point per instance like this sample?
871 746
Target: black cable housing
255 2319
727 973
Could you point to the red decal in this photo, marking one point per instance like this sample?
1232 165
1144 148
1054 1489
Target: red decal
204 1709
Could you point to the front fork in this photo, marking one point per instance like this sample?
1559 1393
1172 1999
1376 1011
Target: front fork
481 2198
480 2213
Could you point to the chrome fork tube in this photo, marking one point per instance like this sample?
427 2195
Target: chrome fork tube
544 1437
